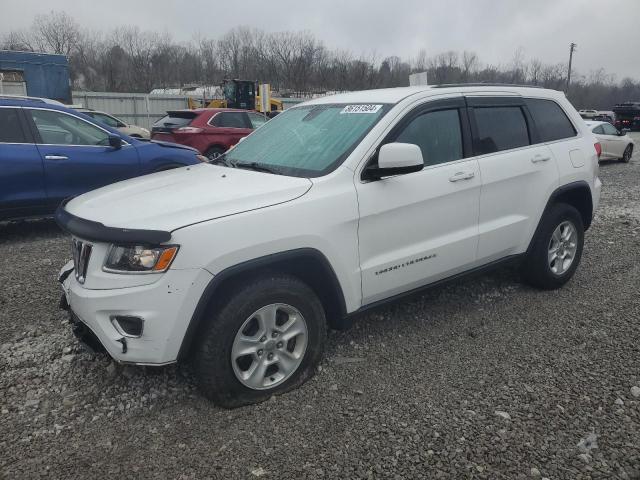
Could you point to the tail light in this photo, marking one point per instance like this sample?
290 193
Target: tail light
598 149
188 130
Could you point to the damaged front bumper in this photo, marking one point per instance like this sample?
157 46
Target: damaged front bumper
165 308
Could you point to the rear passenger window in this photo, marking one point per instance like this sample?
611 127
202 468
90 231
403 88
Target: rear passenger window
437 134
10 129
551 121
230 120
598 130
500 128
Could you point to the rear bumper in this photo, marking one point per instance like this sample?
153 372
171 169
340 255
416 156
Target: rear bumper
166 307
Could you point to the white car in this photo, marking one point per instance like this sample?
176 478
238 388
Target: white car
586 114
616 145
111 121
332 208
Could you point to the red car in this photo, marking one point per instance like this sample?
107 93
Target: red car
212 131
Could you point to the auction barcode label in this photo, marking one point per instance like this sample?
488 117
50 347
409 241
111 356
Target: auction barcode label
361 109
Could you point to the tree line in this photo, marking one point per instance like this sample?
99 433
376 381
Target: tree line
128 59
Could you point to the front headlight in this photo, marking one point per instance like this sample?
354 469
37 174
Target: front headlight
139 258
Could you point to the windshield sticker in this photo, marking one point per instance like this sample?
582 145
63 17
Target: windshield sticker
361 109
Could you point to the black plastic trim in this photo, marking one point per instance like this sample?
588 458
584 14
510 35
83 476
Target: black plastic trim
258 263
480 84
97 232
578 185
494 101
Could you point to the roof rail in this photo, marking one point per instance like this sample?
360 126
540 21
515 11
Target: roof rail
25 98
481 84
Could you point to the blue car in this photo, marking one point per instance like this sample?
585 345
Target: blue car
49 152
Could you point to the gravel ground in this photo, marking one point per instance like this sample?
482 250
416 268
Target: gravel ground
485 378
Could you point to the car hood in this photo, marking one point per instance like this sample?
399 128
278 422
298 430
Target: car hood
184 196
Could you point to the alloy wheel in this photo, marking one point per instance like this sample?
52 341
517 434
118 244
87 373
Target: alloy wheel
269 346
562 248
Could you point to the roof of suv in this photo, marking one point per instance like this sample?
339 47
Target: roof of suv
395 95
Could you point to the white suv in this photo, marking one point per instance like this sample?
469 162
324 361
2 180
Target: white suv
333 207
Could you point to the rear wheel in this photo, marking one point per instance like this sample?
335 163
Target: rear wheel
214 152
557 248
266 339
628 153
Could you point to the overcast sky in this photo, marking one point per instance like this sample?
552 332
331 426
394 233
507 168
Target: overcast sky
607 33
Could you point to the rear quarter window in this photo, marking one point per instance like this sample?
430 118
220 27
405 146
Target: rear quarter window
551 121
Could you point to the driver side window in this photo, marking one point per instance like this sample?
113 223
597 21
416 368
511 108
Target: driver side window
438 134
57 128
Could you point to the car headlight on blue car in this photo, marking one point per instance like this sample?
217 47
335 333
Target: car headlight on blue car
139 258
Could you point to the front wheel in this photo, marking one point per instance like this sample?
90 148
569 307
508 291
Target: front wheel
267 338
556 250
628 153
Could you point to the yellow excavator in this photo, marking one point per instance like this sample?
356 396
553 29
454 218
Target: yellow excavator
242 94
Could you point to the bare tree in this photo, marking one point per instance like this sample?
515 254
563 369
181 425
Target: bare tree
55 32
295 63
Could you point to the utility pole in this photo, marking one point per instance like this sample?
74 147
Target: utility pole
572 48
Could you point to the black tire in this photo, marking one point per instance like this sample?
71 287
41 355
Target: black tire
214 152
212 359
628 153
536 269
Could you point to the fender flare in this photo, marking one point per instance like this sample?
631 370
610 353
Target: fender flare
558 192
260 263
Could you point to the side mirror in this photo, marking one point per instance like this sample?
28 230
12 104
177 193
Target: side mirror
395 159
115 141
621 133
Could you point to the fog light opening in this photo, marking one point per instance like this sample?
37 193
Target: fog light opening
127 325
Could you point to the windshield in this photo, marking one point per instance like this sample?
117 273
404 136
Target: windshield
307 141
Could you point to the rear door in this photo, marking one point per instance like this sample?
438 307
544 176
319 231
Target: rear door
22 190
76 154
518 174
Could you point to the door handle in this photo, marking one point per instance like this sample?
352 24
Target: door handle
462 176
56 157
540 158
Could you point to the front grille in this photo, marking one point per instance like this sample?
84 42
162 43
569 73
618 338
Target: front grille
81 254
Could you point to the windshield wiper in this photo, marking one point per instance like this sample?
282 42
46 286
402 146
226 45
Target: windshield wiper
257 166
221 160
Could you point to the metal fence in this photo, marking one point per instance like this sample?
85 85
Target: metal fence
135 108
138 108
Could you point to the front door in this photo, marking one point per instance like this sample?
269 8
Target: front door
76 155
613 144
421 227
